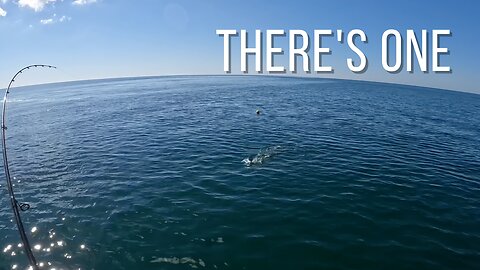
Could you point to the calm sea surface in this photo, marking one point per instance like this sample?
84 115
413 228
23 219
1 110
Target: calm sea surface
180 173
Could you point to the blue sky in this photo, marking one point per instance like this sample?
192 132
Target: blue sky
90 39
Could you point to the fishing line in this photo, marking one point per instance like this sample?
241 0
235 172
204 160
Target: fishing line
17 206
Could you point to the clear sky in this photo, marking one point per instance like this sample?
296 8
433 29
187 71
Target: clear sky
91 39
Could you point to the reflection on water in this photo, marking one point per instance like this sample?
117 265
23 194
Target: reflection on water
45 247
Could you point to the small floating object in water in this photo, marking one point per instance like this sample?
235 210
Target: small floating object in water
258 111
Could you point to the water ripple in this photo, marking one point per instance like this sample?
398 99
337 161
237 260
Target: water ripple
146 174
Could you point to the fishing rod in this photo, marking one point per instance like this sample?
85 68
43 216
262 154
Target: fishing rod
16 206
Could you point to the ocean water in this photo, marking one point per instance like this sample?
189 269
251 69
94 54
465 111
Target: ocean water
180 173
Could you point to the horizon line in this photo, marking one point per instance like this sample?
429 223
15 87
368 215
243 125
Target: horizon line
241 75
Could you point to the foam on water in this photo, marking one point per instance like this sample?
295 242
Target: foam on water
262 156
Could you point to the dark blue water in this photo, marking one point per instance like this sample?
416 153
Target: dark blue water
180 172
